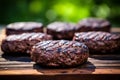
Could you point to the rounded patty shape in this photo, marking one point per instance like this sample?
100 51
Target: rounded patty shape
22 27
94 24
61 30
22 43
99 42
59 53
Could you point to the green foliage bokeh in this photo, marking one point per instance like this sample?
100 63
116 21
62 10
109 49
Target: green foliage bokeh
47 11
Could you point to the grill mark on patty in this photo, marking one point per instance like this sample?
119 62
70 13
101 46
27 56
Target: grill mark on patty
100 36
35 36
27 36
49 45
95 36
107 37
24 36
87 36
42 44
53 47
60 46
58 57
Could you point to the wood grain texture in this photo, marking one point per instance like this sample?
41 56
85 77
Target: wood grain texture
95 65
59 72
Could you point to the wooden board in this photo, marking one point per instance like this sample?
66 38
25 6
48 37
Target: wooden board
95 65
98 67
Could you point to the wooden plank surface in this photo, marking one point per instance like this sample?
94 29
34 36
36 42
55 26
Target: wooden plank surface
107 64
97 64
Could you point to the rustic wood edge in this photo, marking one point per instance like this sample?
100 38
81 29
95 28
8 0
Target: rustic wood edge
36 72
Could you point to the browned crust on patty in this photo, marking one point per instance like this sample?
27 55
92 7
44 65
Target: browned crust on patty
22 43
99 42
59 53
93 24
61 30
23 27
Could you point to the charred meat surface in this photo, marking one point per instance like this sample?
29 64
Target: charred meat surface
22 43
61 30
23 27
93 24
59 53
99 42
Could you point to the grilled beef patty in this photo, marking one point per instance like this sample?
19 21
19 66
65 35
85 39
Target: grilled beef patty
22 43
99 42
61 30
93 24
59 53
23 27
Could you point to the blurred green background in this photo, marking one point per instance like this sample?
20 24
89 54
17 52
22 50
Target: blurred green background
47 11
